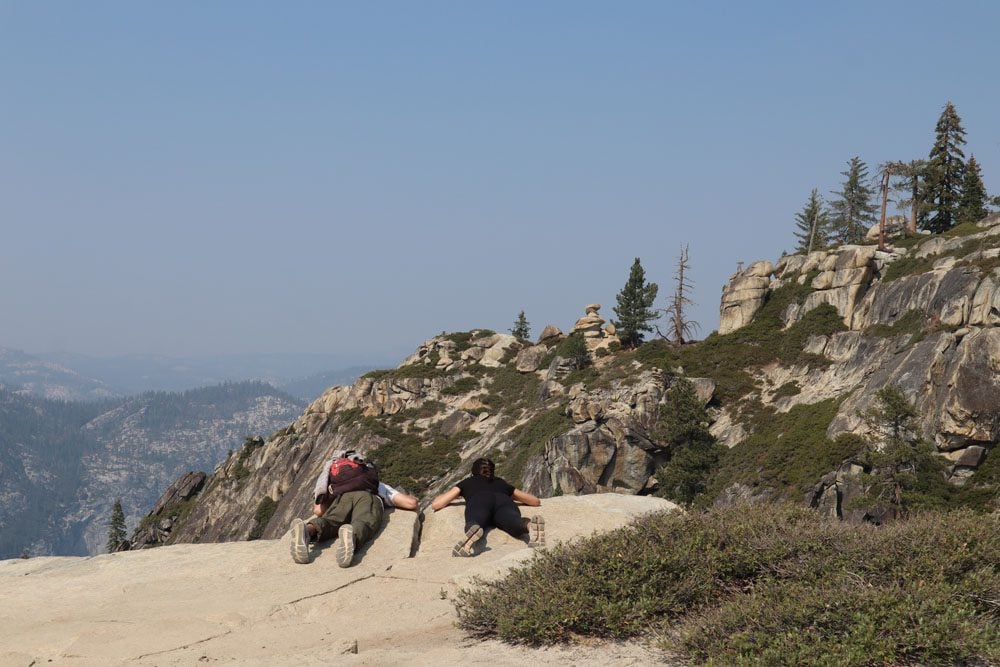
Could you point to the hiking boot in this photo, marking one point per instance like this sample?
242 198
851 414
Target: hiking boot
345 545
536 531
464 546
300 542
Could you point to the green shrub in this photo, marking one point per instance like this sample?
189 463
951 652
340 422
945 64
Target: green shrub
510 390
265 510
348 415
729 359
786 451
588 376
530 439
416 370
462 385
180 510
911 322
762 585
791 388
406 459
426 409
964 229
574 348
463 339
908 266
822 320
240 470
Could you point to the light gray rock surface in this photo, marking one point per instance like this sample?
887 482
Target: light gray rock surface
247 603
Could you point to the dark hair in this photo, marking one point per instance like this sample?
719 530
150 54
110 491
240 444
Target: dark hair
483 468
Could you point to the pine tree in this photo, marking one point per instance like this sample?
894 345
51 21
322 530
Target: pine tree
812 224
909 181
972 205
894 458
853 210
521 330
944 173
683 426
116 527
634 309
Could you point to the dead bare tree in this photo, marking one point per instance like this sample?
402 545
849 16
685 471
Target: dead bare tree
682 328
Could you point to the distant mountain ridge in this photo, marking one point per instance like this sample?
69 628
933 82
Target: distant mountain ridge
76 377
25 373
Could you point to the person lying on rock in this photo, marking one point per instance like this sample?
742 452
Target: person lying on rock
349 505
489 501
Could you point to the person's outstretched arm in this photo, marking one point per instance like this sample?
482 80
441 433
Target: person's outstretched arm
445 498
526 498
405 501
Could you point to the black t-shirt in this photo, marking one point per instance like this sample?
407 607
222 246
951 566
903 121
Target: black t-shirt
476 484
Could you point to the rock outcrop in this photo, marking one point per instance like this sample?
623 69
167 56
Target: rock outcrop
479 391
743 296
927 325
563 421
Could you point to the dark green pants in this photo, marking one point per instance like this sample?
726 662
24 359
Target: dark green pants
361 509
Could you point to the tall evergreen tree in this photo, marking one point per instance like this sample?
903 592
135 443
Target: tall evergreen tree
116 527
972 205
853 210
909 181
634 309
811 224
694 453
944 172
521 329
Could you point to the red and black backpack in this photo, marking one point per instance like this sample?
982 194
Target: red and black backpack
350 472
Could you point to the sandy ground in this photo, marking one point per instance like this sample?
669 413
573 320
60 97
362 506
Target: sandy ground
248 603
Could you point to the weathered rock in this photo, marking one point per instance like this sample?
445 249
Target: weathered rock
456 422
472 404
895 227
741 299
985 310
500 348
969 457
550 332
704 389
155 528
530 358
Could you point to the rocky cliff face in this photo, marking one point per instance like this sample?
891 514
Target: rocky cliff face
456 398
921 316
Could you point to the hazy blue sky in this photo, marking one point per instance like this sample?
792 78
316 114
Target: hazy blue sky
241 177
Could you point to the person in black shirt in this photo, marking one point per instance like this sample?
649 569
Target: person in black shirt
489 502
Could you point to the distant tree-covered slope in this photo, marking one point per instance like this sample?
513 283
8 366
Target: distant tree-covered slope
62 464
42 445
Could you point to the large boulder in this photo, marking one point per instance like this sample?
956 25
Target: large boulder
743 296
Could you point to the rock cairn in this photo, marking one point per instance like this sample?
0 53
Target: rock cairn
592 327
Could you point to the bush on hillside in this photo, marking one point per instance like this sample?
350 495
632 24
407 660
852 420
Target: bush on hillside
763 585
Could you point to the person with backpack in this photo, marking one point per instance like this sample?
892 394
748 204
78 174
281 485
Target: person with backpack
349 505
489 502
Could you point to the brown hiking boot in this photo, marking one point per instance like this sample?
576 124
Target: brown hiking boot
464 546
